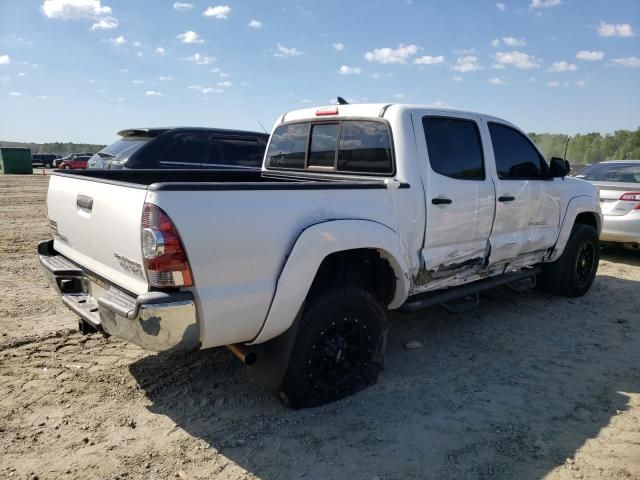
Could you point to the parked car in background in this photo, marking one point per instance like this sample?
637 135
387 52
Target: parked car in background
72 156
79 162
619 184
183 148
46 160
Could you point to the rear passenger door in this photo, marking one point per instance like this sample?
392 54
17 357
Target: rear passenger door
528 204
460 196
185 150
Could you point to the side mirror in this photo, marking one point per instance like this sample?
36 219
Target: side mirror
559 167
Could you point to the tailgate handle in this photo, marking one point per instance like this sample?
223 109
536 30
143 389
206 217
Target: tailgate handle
84 201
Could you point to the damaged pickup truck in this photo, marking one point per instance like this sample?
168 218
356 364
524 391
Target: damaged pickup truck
358 209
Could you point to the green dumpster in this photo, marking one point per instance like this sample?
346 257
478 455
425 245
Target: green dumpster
15 160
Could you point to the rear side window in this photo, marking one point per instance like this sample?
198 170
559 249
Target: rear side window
350 146
454 147
516 157
187 148
288 146
244 152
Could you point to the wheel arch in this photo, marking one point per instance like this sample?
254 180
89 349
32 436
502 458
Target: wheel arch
323 245
583 209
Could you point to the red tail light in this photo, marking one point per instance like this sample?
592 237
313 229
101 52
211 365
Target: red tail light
631 197
164 257
326 111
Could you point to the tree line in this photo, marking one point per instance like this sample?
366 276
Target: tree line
58 148
581 149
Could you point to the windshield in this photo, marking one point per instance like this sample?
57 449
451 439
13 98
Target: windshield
612 172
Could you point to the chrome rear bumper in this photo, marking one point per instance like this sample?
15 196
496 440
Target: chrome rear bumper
155 321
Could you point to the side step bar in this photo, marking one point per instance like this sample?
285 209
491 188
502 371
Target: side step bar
464 297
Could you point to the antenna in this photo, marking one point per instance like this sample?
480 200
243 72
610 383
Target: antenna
566 147
342 101
265 130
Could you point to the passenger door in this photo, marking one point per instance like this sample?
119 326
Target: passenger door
528 203
186 150
460 197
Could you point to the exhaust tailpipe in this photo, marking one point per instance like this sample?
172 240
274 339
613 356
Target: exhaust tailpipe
243 354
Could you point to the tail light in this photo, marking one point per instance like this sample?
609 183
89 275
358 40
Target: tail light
326 111
164 257
631 197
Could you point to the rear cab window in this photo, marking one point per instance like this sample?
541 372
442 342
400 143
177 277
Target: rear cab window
342 146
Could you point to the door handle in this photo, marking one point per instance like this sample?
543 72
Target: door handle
84 201
506 198
441 201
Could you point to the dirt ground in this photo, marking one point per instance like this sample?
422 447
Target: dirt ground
524 386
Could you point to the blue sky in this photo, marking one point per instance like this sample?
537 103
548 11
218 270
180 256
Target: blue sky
80 70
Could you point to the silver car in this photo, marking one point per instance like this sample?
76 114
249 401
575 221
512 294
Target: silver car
619 184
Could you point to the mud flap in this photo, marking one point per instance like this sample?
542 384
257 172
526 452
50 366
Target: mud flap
377 362
273 357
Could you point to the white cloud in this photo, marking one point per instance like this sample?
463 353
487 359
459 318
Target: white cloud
532 79
190 37
5 59
338 47
153 93
615 30
429 60
199 59
159 50
118 40
554 83
15 94
592 56
287 52
514 42
138 82
124 70
520 60
580 83
498 66
495 42
225 84
224 75
139 54
399 96
22 74
137 44
221 12
627 62
467 63
456 78
255 24
562 67
392 55
81 10
205 90
543 3
165 78
501 6
305 100
345 70
182 7
497 81
105 23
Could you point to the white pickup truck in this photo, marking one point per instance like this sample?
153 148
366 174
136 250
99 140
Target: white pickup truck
358 209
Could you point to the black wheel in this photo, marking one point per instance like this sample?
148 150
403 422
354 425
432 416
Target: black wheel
67 167
573 273
339 348
47 165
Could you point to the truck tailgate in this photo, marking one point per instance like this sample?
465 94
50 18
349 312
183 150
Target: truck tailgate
97 225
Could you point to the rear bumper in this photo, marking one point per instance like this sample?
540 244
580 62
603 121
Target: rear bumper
622 228
155 321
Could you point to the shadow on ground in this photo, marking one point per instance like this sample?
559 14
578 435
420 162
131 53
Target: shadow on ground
508 390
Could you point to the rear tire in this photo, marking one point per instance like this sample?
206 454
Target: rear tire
339 348
573 273
67 167
47 165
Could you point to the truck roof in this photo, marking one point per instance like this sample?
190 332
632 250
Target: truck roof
373 110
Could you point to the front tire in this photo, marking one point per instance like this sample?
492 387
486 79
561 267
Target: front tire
574 272
66 167
339 348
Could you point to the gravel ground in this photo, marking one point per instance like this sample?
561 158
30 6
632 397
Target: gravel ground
524 386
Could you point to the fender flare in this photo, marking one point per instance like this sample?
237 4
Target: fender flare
310 249
575 206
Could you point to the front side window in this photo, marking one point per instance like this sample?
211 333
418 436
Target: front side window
516 157
454 147
348 146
